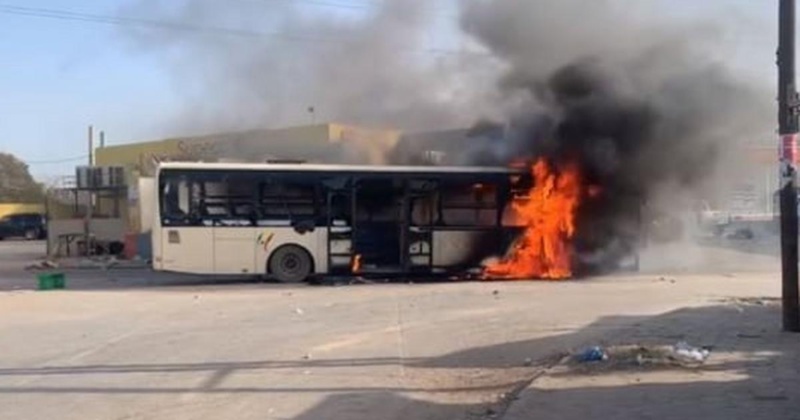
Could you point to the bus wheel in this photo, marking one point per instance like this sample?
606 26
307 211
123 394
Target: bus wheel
290 264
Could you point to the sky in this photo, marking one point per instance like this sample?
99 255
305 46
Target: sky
59 76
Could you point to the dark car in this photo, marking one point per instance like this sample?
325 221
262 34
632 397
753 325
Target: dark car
28 225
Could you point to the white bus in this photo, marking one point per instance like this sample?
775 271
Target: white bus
291 222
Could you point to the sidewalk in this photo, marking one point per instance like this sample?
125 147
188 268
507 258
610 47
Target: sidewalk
753 372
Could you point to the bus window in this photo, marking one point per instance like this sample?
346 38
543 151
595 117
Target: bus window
175 201
287 199
468 205
378 201
423 210
424 198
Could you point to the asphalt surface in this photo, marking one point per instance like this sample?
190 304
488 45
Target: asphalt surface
140 345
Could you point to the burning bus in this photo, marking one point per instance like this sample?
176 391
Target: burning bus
295 221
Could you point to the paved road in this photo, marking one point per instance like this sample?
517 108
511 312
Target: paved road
14 256
19 250
136 345
439 351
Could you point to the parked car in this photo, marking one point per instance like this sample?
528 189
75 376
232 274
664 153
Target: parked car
30 226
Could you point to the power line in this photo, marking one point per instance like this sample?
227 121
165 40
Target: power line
364 5
67 15
125 21
48 162
329 4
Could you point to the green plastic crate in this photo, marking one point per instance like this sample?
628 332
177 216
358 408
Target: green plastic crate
51 281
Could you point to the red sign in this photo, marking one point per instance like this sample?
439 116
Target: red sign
789 148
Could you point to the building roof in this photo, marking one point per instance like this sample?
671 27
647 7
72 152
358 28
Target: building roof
306 167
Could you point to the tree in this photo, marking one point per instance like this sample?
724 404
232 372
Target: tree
16 183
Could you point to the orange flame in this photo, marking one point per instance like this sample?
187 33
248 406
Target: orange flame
548 214
355 266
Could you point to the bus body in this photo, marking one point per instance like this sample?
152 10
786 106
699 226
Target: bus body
292 221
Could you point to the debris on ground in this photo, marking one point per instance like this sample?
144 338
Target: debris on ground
635 357
42 265
752 301
87 263
690 353
361 280
593 354
741 234
299 311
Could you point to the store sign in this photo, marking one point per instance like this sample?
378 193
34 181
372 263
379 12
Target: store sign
187 151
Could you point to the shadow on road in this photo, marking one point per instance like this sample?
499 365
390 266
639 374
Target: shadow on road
752 373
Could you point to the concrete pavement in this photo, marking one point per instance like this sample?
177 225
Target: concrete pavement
438 351
161 348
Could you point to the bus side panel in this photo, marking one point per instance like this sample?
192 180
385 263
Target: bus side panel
188 250
455 247
155 234
155 243
269 239
235 250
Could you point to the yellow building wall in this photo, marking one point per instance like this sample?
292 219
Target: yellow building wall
315 142
304 142
60 211
375 144
138 158
16 208
318 131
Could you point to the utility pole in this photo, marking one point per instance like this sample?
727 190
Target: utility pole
788 127
87 220
91 145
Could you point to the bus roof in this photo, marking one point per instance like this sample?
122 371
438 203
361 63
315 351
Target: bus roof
313 167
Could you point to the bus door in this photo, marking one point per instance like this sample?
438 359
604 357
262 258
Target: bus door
378 214
417 230
235 235
186 245
341 255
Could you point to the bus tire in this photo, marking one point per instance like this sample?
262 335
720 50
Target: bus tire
290 264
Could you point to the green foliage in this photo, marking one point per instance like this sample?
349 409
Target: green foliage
16 183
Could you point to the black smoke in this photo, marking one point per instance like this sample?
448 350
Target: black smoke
649 119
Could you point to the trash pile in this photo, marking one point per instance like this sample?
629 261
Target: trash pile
682 354
593 354
684 351
42 265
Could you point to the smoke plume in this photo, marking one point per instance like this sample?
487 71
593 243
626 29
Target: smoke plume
647 111
374 64
647 106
